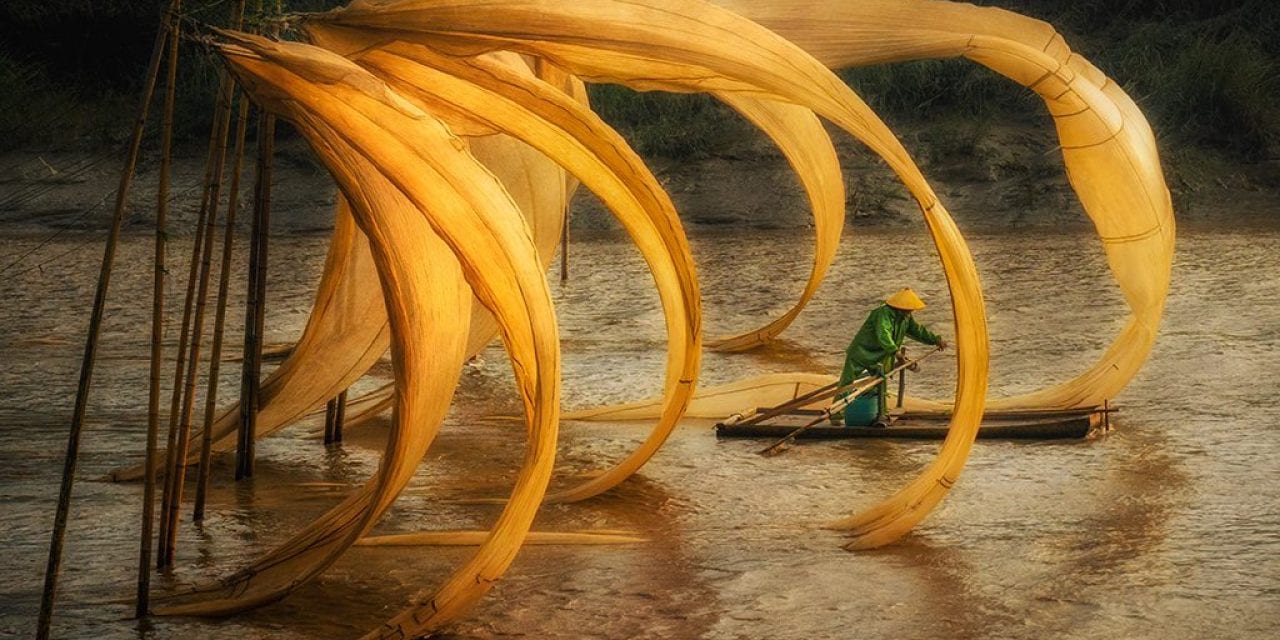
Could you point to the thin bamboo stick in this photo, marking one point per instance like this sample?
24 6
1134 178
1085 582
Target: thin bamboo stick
58 536
330 414
224 281
163 555
180 368
223 121
339 417
143 599
564 249
254 308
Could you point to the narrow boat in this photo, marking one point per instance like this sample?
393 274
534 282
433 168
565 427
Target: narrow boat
996 425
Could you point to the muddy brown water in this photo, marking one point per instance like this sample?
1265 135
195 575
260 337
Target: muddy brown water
1168 527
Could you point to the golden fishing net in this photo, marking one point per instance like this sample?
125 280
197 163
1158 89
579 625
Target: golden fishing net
346 331
393 82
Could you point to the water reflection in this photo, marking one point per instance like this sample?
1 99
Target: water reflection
1134 535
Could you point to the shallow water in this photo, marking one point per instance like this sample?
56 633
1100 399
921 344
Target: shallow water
1166 527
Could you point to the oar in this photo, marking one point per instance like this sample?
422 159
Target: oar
839 405
820 393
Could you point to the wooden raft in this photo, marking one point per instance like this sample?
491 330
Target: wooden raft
996 425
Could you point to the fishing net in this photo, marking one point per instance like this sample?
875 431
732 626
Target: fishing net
1107 146
346 331
456 130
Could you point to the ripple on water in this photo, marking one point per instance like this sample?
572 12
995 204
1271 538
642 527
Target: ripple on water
1145 531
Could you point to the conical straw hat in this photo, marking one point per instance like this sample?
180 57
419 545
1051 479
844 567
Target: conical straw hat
907 300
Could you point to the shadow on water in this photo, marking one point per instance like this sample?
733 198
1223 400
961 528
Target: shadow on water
1135 535
1113 545
562 587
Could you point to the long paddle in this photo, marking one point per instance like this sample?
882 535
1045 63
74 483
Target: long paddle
839 405
820 393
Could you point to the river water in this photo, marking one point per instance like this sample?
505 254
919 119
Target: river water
1167 527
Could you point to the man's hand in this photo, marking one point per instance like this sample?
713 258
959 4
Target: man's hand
942 344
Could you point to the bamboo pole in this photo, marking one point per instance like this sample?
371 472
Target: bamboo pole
224 281
335 415
180 368
839 405
58 536
564 248
163 555
821 393
254 307
330 414
222 119
340 417
143 599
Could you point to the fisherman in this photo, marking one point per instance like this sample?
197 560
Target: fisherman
874 348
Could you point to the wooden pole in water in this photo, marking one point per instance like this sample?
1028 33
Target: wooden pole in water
164 555
224 282
330 413
58 536
254 307
335 414
564 248
339 417
222 119
142 601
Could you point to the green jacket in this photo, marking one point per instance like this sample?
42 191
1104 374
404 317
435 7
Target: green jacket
879 339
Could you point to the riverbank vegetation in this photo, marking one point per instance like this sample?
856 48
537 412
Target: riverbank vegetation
1206 73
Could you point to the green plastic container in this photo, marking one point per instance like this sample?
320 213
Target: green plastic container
862 411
